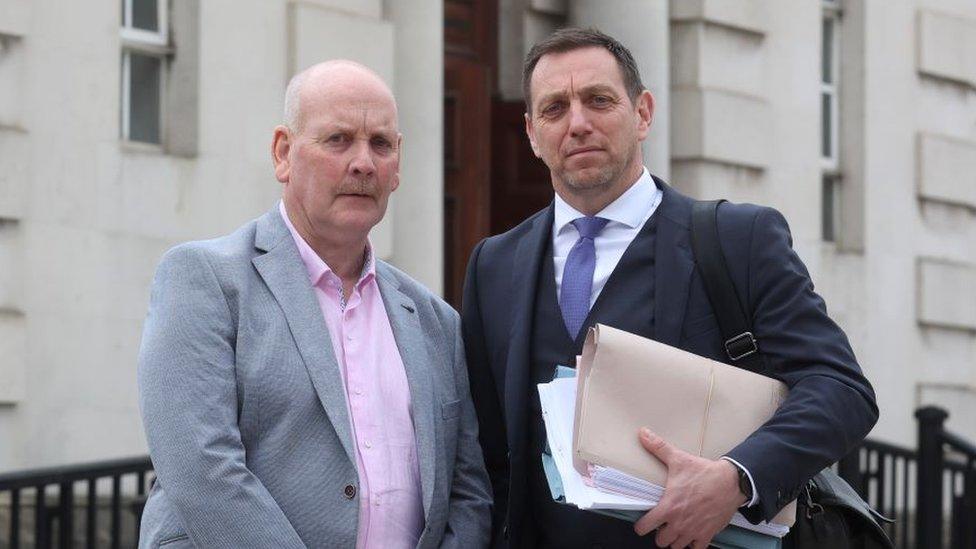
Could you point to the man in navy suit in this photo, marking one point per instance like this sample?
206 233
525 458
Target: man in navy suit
614 247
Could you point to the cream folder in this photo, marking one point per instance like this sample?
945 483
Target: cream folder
702 406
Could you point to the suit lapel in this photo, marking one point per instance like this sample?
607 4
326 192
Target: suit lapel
282 270
525 282
674 264
415 354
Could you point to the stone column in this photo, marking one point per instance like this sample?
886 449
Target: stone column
643 27
418 227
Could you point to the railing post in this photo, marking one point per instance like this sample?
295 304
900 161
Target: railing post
931 464
849 469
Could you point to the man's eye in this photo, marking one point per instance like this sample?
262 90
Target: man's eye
382 144
552 110
337 139
601 100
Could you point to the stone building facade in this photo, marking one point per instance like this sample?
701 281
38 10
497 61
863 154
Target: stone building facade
123 132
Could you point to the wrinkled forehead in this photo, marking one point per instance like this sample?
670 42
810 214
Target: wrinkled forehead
570 71
372 110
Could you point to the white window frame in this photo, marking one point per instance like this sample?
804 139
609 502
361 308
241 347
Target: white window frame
831 162
137 36
143 42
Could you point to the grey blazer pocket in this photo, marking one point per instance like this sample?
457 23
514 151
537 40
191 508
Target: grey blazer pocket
173 542
451 410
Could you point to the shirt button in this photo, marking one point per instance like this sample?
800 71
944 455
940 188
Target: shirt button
367 444
357 392
349 337
349 491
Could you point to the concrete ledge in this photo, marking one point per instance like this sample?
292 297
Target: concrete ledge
946 169
946 294
365 8
14 165
551 7
946 47
744 15
719 126
15 16
710 56
13 349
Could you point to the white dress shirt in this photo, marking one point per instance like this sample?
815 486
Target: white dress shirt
627 216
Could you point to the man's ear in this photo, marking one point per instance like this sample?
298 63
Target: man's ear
280 147
396 174
645 113
530 131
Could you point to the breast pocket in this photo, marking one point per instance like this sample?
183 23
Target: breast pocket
450 410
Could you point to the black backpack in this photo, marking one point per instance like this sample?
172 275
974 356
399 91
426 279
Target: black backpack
829 512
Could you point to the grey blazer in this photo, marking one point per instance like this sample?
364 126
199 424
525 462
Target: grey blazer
245 411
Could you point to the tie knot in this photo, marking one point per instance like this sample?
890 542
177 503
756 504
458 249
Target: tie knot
589 226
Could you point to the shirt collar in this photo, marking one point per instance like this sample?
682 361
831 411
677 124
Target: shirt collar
316 267
629 209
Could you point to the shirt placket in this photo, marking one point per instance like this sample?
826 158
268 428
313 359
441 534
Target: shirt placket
357 374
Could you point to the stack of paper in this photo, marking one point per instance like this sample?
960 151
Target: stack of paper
604 488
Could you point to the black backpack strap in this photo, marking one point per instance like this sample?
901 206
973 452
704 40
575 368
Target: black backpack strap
740 344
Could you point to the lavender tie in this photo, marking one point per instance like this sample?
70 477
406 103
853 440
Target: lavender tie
574 295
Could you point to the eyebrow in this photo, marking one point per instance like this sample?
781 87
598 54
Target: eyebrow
588 90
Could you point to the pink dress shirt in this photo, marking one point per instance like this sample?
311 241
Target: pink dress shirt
390 506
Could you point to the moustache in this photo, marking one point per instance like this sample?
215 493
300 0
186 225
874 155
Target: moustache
364 187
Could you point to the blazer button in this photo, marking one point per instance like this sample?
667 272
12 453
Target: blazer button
349 491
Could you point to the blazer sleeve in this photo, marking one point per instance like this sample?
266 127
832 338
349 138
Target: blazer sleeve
494 444
188 400
831 406
469 516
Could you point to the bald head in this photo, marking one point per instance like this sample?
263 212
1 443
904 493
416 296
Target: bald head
323 79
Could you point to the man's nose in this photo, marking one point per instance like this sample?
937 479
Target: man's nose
579 122
362 164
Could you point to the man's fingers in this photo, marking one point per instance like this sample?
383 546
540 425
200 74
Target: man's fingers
701 544
650 521
683 541
656 445
666 535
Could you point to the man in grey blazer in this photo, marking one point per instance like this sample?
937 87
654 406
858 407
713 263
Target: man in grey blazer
295 391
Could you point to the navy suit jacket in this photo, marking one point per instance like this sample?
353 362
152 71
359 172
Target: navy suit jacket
830 407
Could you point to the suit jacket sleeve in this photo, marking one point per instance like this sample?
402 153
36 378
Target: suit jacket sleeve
830 406
469 518
188 399
484 395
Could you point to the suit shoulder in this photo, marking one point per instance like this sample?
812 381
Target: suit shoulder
220 251
508 240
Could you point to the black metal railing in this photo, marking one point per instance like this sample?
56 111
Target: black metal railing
931 493
946 502
51 498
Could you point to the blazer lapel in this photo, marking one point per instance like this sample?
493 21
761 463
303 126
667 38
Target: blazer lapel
674 264
525 283
415 354
285 275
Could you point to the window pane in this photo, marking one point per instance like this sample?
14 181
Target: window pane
826 135
144 98
827 55
828 209
145 15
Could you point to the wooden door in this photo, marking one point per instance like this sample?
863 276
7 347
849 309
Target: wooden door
469 69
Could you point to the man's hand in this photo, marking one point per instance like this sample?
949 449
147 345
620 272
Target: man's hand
700 497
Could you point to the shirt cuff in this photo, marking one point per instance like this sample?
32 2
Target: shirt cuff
755 493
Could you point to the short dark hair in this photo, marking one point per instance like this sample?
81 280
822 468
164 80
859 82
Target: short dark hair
573 38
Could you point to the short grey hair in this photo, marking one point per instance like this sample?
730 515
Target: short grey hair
293 98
